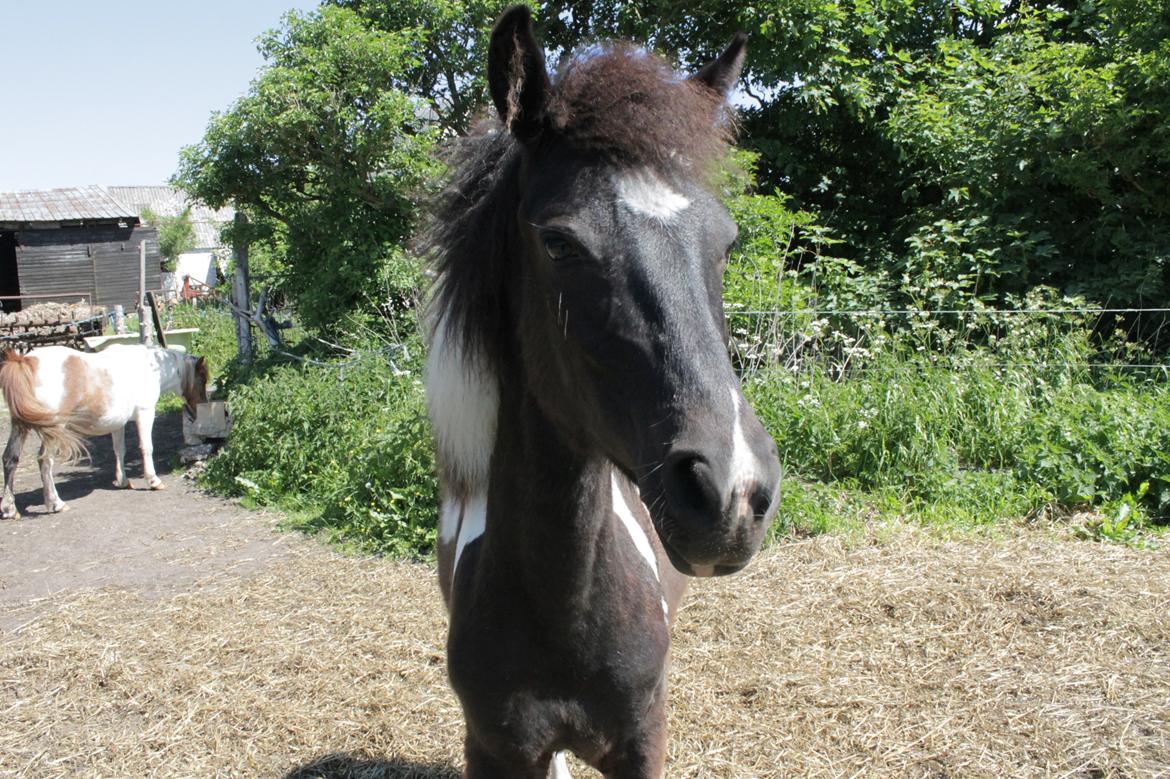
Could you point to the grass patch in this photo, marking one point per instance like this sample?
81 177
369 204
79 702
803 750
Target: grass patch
966 446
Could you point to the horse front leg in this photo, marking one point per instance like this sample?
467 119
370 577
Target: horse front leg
145 419
119 439
11 460
482 764
53 502
644 755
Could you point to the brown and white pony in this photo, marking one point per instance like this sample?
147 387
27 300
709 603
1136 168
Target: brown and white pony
66 395
593 443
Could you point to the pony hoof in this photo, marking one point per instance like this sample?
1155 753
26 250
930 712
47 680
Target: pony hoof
58 507
123 485
157 484
10 514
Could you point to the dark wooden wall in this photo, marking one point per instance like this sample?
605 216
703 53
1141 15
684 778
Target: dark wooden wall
100 261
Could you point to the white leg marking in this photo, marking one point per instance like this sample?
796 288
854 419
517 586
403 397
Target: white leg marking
449 520
474 523
637 534
559 768
644 193
464 400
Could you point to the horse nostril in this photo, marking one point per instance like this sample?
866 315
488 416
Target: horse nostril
760 501
690 485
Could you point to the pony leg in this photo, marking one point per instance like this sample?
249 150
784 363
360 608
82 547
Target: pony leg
644 755
145 419
53 501
11 460
119 438
645 760
481 764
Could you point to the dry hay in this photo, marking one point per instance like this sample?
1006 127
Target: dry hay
903 657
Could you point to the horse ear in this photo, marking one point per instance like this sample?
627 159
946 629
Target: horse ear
517 78
722 74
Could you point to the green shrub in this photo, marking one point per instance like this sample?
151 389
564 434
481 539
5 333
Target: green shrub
348 446
976 441
216 339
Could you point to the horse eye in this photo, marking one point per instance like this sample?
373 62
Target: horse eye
558 247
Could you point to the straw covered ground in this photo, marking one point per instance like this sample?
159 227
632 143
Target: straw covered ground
901 656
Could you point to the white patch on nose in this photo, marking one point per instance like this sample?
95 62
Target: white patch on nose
645 193
559 768
745 468
463 397
472 527
637 534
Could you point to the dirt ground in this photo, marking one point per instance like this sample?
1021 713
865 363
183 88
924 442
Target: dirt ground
175 635
155 542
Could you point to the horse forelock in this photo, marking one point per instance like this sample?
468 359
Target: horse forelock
628 105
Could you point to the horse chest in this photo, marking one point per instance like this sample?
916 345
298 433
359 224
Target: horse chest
584 666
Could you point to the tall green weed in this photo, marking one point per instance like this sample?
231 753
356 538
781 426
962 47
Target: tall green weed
347 447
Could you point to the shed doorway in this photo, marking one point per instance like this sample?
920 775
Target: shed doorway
9 275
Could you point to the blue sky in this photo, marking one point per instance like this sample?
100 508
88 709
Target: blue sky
107 93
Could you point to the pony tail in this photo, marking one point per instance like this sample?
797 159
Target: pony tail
17 379
17 374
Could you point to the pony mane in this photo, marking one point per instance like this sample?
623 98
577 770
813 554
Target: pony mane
614 100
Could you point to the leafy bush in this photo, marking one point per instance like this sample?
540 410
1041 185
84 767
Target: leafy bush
979 437
216 339
347 446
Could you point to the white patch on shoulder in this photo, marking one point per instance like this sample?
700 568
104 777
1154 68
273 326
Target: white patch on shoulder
463 396
474 523
559 768
637 534
645 193
622 509
744 465
449 511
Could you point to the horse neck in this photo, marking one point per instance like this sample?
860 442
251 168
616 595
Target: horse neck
550 519
170 370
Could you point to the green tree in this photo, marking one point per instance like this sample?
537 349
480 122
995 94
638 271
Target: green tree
451 51
175 235
326 155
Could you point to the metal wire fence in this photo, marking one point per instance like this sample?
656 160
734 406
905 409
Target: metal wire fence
845 342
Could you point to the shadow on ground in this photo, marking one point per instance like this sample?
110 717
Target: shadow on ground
356 767
96 472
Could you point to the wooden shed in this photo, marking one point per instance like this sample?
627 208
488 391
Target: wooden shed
62 244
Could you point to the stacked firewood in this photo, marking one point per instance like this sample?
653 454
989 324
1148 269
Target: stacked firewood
52 319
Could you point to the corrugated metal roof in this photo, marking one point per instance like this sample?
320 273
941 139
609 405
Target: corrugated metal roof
169 201
70 204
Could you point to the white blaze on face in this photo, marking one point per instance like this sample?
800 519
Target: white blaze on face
641 541
745 468
643 192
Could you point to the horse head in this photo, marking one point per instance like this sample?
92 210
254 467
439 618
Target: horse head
616 284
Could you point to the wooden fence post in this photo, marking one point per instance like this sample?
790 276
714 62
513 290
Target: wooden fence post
241 296
142 324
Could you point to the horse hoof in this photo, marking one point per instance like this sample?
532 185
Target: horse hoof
13 514
157 484
123 485
59 507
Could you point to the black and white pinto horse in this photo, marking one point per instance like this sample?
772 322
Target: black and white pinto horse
593 443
